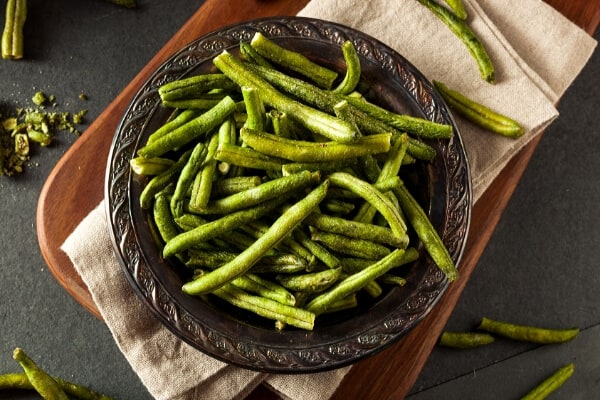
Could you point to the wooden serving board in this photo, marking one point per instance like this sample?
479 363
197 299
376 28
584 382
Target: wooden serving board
60 211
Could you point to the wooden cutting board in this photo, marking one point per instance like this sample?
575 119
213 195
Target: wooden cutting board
60 211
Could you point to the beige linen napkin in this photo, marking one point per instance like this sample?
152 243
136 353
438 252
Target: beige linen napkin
537 53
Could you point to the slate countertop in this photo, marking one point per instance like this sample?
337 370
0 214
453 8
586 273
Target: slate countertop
539 267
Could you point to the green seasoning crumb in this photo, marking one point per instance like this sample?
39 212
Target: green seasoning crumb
39 99
83 96
24 127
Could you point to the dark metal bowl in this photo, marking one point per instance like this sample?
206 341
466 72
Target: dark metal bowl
442 186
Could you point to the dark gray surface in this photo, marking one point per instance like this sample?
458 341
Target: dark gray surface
540 266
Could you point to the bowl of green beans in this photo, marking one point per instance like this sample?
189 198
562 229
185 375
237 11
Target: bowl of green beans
288 195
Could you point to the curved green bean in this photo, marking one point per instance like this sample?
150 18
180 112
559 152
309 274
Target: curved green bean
313 282
250 256
462 31
43 383
479 114
353 69
528 333
373 196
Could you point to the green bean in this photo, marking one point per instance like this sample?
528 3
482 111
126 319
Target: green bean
181 118
189 221
236 184
251 55
373 196
208 258
550 384
354 283
204 175
217 227
319 251
190 130
312 119
338 207
246 157
12 35
159 182
314 282
265 191
527 333
280 123
417 126
350 246
464 340
194 86
263 287
458 8
322 166
267 308
353 69
425 231
463 32
391 279
254 108
479 114
21 381
356 229
43 383
420 150
305 151
247 258
199 104
352 265
295 61
163 219
186 177
150 166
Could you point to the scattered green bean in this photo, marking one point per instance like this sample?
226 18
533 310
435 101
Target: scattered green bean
21 381
43 383
12 35
479 114
463 32
464 340
528 333
458 7
550 384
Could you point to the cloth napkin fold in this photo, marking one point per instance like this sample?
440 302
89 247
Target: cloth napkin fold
537 54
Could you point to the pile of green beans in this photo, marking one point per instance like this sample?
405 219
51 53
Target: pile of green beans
280 190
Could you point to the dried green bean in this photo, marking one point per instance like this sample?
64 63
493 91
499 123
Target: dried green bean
479 114
186 178
374 197
194 86
311 118
295 61
528 333
180 119
462 31
43 383
267 308
246 157
226 186
159 182
201 187
150 166
354 283
255 108
247 258
353 69
190 130
313 282
550 384
263 287
12 35
21 381
458 7
350 246
464 340
265 191
305 151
